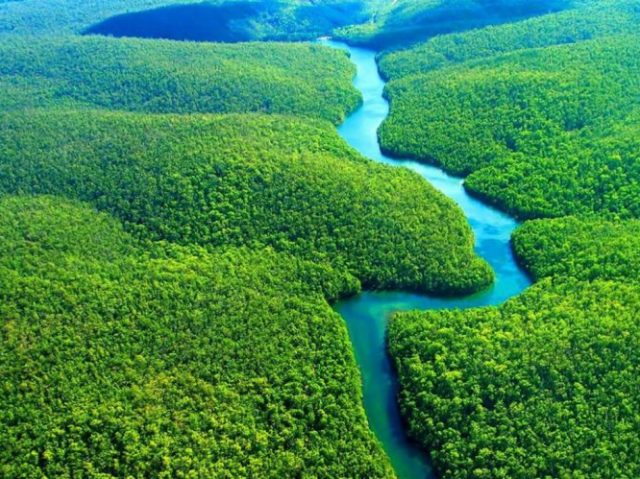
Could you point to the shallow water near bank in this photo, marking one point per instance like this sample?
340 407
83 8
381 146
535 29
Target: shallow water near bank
366 315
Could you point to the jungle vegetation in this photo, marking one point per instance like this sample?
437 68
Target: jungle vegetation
593 19
247 180
121 358
543 116
236 21
582 248
175 77
226 20
175 218
545 132
543 386
374 23
404 22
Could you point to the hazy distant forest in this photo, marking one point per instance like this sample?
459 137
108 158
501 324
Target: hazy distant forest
178 214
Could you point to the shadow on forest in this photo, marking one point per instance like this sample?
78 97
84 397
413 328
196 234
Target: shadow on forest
233 21
197 22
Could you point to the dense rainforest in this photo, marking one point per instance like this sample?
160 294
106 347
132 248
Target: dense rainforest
175 77
216 20
583 248
247 180
176 218
543 117
594 19
545 131
122 358
404 22
544 386
374 23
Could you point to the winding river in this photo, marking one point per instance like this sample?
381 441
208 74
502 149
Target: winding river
366 315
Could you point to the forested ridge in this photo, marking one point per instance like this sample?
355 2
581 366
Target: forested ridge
544 132
122 358
245 19
165 304
176 77
247 180
176 218
544 386
595 19
397 24
374 23
582 248
543 116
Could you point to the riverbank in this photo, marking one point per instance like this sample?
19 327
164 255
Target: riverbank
366 315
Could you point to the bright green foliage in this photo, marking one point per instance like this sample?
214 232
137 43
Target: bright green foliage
557 126
596 170
544 386
176 77
594 20
403 22
124 360
580 248
246 180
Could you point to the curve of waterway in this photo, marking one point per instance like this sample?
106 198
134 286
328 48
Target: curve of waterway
366 315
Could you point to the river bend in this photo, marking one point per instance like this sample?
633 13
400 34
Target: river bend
366 315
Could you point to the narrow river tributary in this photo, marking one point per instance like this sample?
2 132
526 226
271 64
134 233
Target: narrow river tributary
367 314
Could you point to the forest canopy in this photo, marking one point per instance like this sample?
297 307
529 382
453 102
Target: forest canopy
544 386
229 20
176 77
127 359
543 115
546 131
176 218
583 248
398 24
247 180
594 19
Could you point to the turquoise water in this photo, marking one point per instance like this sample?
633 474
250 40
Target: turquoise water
366 315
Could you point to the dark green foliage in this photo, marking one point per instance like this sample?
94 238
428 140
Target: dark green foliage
547 131
594 20
544 386
255 20
123 361
580 248
234 21
46 17
176 77
409 21
247 180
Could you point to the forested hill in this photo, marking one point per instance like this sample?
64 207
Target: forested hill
233 20
400 23
177 215
129 359
374 23
247 180
546 131
586 249
165 306
591 20
543 115
176 77
544 386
